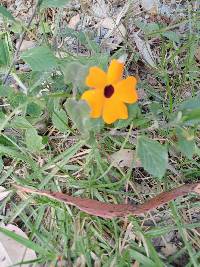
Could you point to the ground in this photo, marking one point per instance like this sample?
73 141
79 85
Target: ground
159 41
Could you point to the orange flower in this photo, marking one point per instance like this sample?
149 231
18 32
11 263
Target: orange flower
109 92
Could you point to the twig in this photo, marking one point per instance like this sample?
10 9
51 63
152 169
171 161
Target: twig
19 44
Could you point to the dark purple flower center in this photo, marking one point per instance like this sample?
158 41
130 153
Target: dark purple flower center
108 91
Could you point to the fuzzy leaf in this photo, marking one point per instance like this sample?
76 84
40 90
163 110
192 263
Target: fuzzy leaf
20 122
40 58
172 36
5 13
1 164
75 73
59 119
153 156
5 91
33 140
53 3
17 99
79 114
186 141
187 147
4 51
33 109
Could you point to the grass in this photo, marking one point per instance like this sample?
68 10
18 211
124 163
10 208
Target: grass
64 236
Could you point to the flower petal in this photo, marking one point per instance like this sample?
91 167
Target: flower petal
94 98
125 90
96 78
115 72
113 110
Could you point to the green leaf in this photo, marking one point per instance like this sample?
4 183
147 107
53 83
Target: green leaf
148 28
133 112
44 28
59 119
4 122
1 164
33 140
6 13
85 38
74 34
34 109
95 125
156 108
190 104
20 122
187 147
139 257
16 27
40 58
4 141
53 3
189 111
17 99
4 51
5 90
191 117
186 142
79 113
172 36
75 73
153 156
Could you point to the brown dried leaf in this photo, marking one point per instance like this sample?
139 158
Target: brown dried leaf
12 252
150 6
114 28
136 264
74 21
115 34
100 9
80 261
25 45
3 193
197 54
197 189
169 249
144 50
107 210
124 158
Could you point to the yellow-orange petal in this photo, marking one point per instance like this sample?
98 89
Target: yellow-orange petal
94 98
113 109
125 90
115 72
96 78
